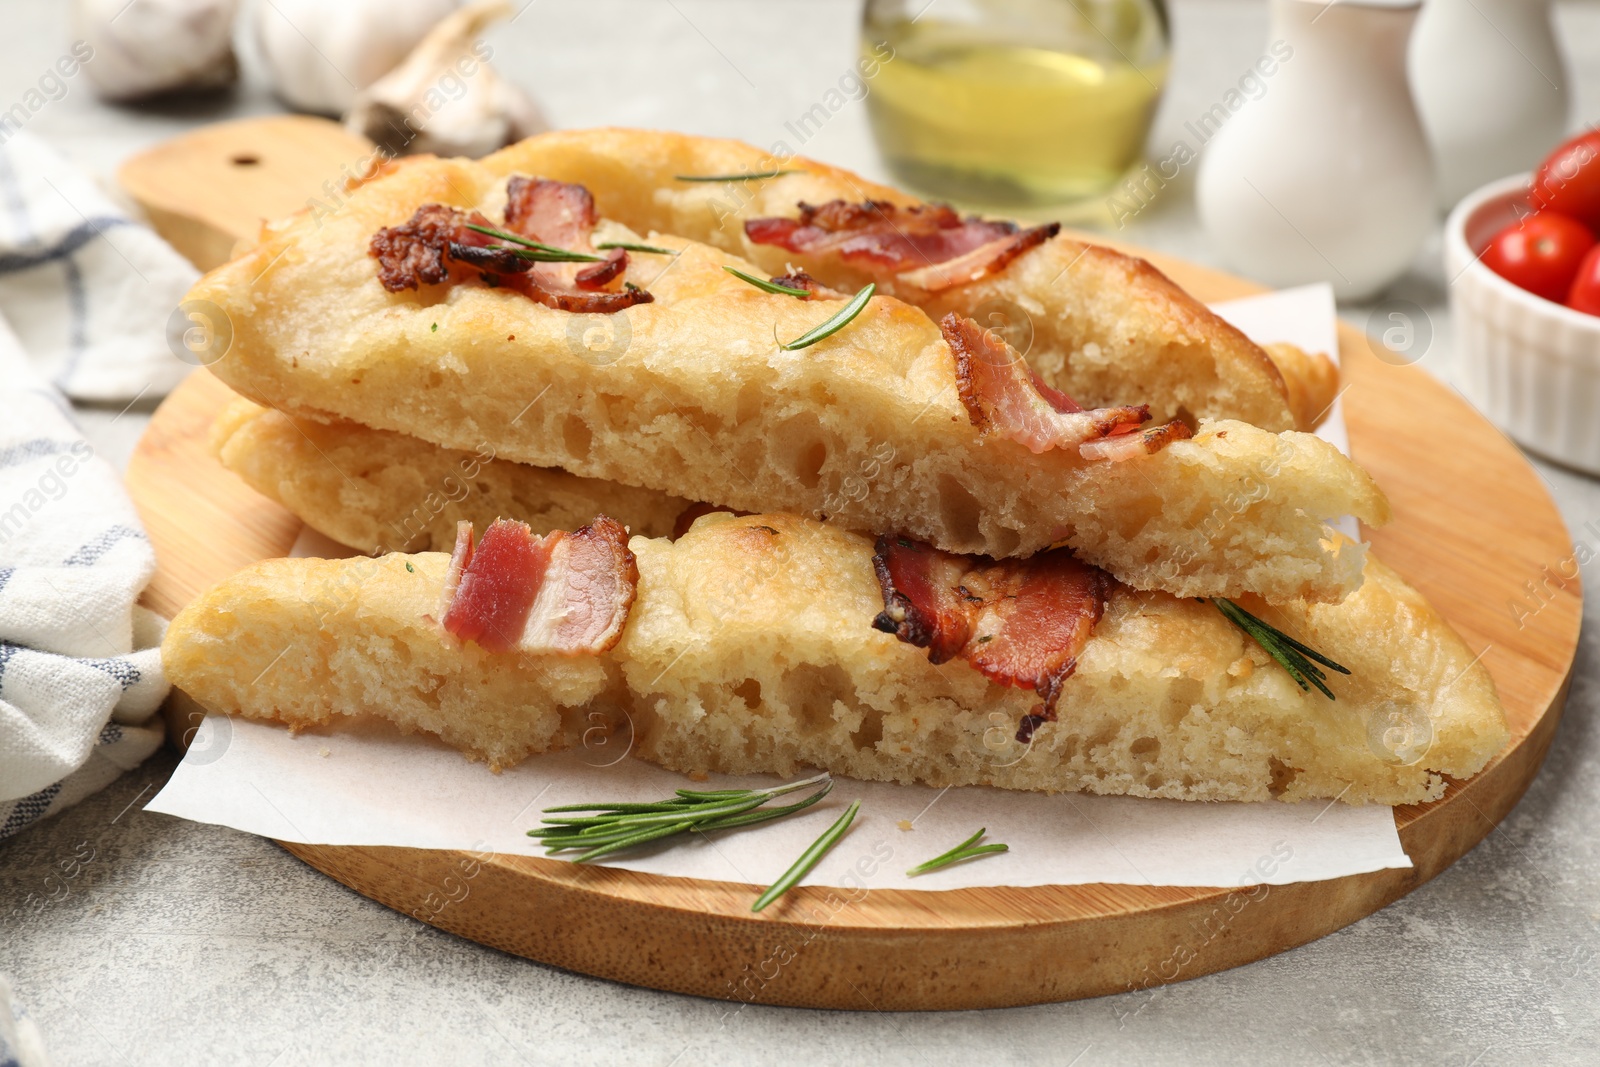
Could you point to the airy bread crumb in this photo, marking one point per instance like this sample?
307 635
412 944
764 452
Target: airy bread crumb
689 396
750 649
380 491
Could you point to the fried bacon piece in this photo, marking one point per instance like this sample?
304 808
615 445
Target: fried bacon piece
926 245
496 259
1022 622
534 286
600 275
924 603
1139 443
799 279
560 214
562 593
420 250
459 558
1004 396
563 214
991 258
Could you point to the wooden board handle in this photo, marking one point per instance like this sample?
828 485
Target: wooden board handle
210 189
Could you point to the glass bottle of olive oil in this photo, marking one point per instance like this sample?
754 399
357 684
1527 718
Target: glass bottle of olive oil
1014 103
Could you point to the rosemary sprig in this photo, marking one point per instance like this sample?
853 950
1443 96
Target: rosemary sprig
834 324
809 858
611 828
537 251
760 175
766 286
1291 655
967 850
628 246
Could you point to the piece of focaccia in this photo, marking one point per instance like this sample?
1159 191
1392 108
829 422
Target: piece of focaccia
750 647
689 395
1105 327
380 491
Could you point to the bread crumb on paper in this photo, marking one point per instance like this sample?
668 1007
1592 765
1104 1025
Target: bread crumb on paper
904 824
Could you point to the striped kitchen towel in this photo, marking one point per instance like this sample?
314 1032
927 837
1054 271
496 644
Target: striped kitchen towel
89 292
80 670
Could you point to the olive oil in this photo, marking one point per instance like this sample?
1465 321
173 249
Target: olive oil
1047 102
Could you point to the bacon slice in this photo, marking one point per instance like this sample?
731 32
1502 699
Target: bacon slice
458 566
491 260
558 213
586 594
987 259
420 250
924 603
573 299
928 246
1035 617
498 584
799 279
878 232
1004 396
561 214
565 594
1023 623
1139 443
603 274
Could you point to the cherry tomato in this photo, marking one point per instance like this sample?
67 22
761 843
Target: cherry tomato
1568 181
1540 253
1585 292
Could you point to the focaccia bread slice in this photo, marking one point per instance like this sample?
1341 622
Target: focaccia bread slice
689 395
380 491
1105 327
750 647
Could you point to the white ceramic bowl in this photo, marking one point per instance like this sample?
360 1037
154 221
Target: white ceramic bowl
1530 365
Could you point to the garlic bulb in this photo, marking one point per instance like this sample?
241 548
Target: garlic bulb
320 53
147 47
445 98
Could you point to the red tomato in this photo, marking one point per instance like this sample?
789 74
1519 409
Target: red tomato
1541 253
1568 180
1585 292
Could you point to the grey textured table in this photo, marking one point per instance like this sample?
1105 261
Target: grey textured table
176 942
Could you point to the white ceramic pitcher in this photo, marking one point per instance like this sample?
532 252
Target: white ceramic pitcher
1327 176
1492 89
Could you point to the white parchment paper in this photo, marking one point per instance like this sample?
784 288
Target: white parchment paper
368 785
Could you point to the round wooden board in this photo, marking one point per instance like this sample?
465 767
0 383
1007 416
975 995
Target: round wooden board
1472 525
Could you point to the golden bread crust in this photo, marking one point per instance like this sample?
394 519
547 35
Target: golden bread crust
750 649
307 642
689 396
1312 379
366 488
380 491
1105 327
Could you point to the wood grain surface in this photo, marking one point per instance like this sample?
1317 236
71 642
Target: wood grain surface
212 187
1474 530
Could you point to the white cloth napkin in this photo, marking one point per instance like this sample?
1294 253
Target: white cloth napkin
20 1043
85 295
87 290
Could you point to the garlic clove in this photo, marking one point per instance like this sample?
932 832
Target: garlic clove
445 98
319 54
144 48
